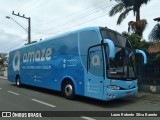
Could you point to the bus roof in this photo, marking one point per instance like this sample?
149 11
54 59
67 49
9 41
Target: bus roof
96 28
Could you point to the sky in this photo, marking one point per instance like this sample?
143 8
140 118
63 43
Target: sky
53 17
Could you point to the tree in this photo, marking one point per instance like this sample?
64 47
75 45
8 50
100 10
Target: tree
3 59
134 40
155 33
124 7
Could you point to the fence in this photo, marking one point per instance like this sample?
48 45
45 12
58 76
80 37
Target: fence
150 74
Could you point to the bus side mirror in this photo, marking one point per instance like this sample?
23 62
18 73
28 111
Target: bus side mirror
140 52
111 47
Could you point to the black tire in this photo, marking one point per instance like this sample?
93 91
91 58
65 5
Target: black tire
18 81
68 90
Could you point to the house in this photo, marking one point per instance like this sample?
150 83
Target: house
154 48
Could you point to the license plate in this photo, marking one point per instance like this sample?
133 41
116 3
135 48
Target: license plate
128 93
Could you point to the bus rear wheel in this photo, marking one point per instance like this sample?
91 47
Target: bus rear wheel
18 81
68 90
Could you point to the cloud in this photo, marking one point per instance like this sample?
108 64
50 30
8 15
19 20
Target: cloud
9 41
52 17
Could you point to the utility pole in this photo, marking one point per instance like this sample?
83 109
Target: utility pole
29 25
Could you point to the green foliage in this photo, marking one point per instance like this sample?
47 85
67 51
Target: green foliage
158 56
143 45
120 8
116 9
123 15
3 58
134 39
135 3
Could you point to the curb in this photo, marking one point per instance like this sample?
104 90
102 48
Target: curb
149 88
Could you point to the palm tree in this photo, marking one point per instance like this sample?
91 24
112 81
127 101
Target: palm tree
124 7
155 33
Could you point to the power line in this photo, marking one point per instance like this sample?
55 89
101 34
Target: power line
73 14
21 4
16 45
35 8
57 26
87 21
88 7
83 22
10 44
79 18
8 26
29 5
81 11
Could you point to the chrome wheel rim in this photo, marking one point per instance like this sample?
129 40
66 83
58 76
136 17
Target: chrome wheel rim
68 90
18 82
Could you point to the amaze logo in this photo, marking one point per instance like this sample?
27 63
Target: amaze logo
16 61
38 56
96 60
33 56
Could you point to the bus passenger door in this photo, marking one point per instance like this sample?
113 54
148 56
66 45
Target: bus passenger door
95 74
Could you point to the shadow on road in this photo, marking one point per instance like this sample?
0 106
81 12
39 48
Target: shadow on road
106 104
81 99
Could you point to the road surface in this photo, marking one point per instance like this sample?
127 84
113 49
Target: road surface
26 98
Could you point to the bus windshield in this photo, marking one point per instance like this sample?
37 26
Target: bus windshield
122 66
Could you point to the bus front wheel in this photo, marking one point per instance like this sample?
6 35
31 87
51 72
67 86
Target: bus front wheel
68 90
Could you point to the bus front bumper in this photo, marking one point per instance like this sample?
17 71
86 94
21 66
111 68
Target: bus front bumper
115 94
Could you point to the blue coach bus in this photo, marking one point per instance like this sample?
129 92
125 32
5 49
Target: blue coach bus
95 62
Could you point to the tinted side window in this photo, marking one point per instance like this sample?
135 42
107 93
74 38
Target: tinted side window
86 40
96 61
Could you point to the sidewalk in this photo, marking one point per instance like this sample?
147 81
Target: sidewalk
147 96
3 77
143 94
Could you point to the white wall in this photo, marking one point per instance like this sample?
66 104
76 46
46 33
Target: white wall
5 72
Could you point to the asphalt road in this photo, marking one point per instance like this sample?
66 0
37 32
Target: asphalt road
26 98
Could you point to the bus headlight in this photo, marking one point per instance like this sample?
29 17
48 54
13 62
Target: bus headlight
113 87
